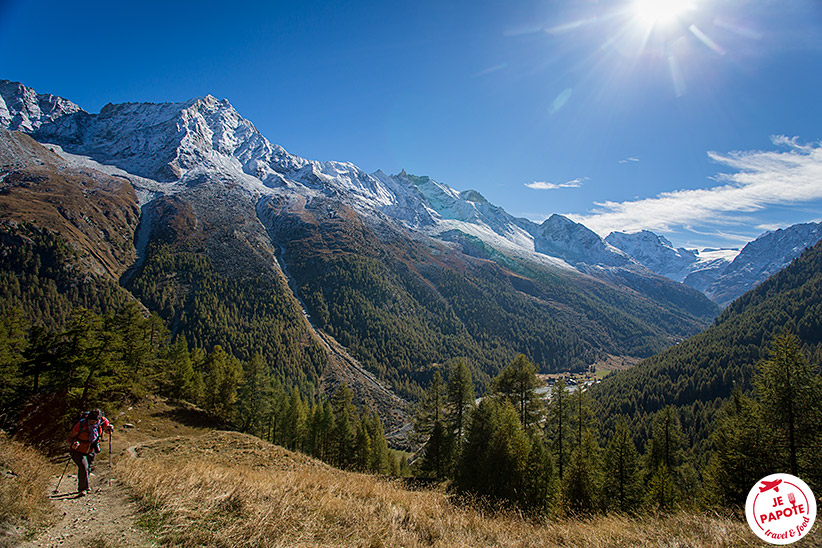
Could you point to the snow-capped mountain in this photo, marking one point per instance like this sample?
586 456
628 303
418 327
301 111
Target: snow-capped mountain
23 109
400 269
180 143
658 253
655 252
577 244
170 146
762 258
722 274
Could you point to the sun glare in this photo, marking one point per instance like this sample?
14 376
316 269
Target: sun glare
661 12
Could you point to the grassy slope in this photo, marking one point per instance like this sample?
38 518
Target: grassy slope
229 489
24 478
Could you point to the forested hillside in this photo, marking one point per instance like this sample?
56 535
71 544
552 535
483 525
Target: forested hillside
65 234
696 375
210 273
403 304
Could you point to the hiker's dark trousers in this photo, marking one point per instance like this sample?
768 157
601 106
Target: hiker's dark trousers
83 462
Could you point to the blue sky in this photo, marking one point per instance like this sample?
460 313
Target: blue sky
701 121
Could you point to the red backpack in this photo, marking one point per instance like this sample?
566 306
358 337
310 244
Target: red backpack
86 435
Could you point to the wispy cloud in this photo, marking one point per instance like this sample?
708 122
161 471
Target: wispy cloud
490 70
629 160
761 179
543 185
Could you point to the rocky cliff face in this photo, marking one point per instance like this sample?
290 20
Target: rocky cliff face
23 109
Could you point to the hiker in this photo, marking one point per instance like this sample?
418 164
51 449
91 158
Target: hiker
84 440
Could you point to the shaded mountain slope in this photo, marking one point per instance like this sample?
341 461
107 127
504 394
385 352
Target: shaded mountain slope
65 233
210 271
698 373
97 212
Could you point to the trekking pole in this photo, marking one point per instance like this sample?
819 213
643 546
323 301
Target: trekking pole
61 476
109 458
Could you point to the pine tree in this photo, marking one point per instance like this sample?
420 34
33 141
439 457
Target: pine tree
621 488
518 382
222 378
294 421
326 429
581 416
430 427
344 427
278 406
665 458
255 395
558 425
381 461
582 481
41 355
539 476
182 380
460 400
13 344
789 389
362 445
742 455
495 457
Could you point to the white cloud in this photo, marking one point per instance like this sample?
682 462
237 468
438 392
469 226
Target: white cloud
542 185
627 160
762 179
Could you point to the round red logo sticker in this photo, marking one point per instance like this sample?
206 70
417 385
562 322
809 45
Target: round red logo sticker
780 509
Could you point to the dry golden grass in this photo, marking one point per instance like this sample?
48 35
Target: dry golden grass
232 490
24 479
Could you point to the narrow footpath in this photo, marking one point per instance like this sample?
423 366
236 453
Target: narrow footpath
104 518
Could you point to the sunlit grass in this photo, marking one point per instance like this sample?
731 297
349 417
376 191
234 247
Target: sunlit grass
25 475
232 490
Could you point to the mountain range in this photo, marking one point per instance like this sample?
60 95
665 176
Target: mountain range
722 274
386 275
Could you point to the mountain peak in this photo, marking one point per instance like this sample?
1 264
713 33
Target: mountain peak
23 109
473 196
559 236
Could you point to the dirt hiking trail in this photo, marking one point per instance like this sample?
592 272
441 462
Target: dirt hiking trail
108 517
104 518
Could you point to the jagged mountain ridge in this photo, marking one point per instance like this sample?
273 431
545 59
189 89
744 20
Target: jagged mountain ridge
761 258
723 275
174 142
657 253
371 253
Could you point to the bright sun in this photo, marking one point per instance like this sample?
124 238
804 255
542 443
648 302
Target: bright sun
661 12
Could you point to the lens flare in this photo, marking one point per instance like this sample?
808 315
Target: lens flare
661 12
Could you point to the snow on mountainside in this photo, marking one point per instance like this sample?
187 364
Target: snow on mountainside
658 253
762 258
655 252
182 143
722 274
577 244
166 147
22 109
